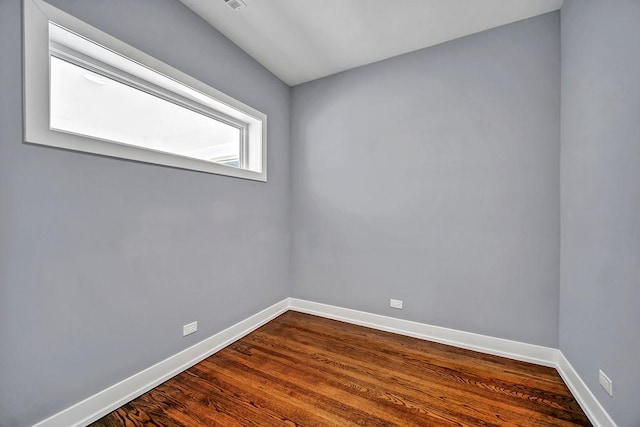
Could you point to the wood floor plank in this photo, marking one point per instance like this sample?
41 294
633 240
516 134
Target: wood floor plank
395 404
438 354
407 383
303 370
471 382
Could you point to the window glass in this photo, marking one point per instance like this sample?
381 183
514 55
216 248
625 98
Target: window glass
86 103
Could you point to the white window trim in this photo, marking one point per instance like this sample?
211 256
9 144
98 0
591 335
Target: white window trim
36 17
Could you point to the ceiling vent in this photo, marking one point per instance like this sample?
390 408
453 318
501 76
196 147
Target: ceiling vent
235 4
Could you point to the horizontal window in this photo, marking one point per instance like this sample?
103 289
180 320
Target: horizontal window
86 91
86 103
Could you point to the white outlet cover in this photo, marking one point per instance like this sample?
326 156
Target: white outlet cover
189 329
605 382
395 303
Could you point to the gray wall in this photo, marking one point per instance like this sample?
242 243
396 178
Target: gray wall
433 177
104 260
600 279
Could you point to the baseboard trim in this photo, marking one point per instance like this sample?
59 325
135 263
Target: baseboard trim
485 344
539 355
101 403
591 406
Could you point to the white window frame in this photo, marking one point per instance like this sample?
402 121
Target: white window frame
37 15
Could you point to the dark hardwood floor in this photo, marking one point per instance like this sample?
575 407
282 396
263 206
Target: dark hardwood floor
302 370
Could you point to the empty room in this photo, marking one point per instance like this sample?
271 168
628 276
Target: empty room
319 213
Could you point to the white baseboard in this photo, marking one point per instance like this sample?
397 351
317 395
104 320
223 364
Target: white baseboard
539 355
591 406
532 353
100 404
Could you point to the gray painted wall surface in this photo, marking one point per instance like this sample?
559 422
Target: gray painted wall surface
600 279
101 260
433 178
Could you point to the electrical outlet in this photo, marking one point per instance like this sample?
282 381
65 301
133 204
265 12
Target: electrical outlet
189 329
605 382
395 303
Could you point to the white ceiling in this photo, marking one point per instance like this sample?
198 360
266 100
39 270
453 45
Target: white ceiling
302 40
